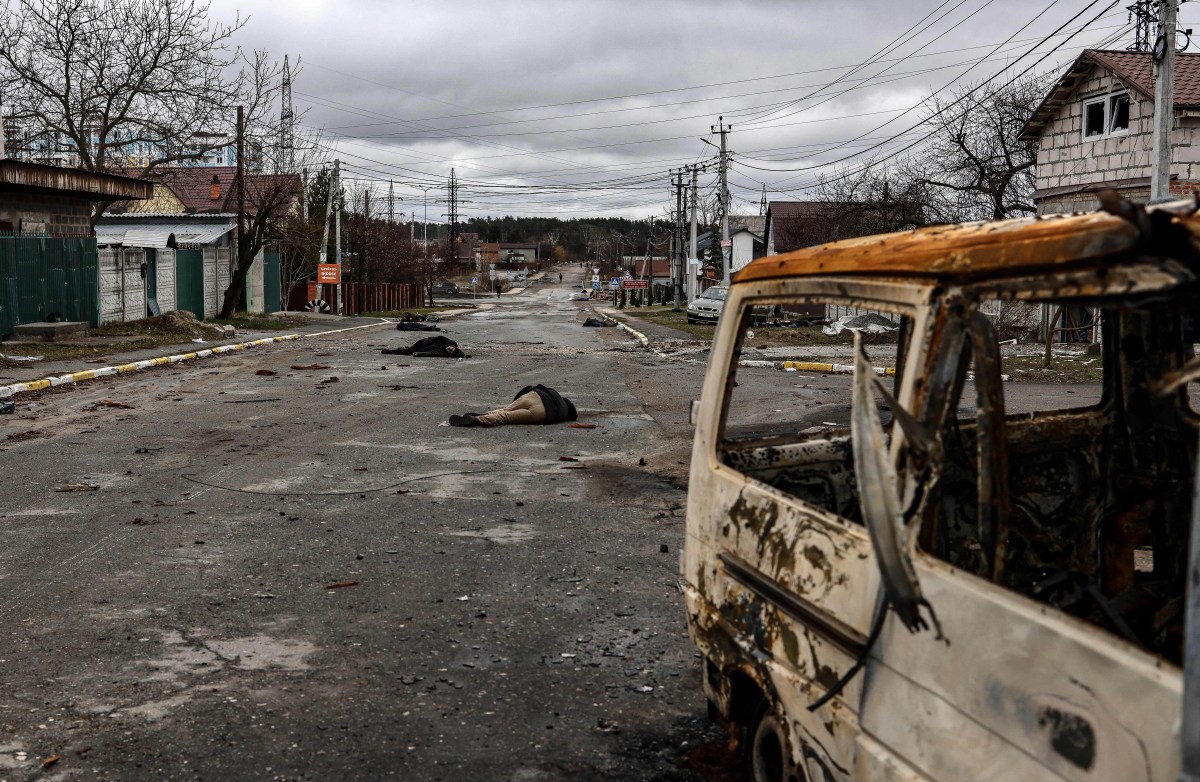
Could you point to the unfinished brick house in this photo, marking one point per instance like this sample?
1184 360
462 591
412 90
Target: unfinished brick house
1094 130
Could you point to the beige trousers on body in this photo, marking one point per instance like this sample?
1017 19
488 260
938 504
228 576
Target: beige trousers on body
525 409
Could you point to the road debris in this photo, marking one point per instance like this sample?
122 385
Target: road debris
302 367
31 434
341 584
117 405
50 761
267 372
76 487
567 459
7 406
581 426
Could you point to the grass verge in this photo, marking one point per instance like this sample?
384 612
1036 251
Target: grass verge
1063 369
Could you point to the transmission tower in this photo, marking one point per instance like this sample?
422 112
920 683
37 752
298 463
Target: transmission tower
452 213
287 121
762 202
1142 14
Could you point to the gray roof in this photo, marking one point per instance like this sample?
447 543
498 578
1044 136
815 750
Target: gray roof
161 235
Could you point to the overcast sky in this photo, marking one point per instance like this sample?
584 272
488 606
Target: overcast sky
544 107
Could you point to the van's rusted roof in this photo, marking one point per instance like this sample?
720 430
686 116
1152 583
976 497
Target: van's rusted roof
960 252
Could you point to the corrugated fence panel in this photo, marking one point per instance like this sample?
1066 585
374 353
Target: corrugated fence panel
44 276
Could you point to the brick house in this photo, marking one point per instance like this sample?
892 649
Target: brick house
1094 130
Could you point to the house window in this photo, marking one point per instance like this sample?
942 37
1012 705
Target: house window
1093 119
1118 113
1107 116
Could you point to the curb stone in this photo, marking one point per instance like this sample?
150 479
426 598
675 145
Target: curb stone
121 369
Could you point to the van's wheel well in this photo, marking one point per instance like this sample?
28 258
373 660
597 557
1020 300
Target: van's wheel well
745 699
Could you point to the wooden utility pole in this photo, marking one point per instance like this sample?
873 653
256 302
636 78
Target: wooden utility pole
241 186
1164 99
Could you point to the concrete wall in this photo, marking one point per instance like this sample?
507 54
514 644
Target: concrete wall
1065 159
36 214
165 264
255 296
216 278
122 288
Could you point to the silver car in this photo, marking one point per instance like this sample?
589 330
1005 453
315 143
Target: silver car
707 307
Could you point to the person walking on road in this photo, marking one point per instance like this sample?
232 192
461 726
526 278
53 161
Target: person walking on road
560 276
532 405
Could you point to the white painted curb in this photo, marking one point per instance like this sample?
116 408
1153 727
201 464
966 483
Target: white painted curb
121 369
812 366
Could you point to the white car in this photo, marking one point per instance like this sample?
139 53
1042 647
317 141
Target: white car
707 307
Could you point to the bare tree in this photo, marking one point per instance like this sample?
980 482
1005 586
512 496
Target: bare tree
121 84
976 157
272 202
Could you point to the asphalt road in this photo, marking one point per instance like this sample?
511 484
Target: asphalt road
505 615
308 575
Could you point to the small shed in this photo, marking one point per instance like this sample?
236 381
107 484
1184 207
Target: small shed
48 252
152 264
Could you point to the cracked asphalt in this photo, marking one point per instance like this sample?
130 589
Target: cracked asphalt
308 575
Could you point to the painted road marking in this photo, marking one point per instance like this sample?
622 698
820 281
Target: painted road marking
121 369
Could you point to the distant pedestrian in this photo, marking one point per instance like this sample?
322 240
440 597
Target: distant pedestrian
560 276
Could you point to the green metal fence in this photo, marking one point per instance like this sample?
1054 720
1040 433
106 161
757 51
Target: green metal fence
189 281
42 277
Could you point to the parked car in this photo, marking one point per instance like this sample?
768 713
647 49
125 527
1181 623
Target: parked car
445 287
706 308
983 591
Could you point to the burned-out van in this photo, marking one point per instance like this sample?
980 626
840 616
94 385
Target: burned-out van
943 584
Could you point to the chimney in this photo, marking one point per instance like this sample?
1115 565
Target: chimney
215 191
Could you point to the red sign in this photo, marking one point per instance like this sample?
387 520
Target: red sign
635 284
329 272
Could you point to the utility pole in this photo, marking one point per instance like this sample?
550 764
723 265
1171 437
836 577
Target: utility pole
1164 99
678 256
304 196
762 202
723 129
366 235
241 183
693 261
337 234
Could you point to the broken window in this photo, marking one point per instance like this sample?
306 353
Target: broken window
1118 113
1094 499
1093 119
787 417
1072 378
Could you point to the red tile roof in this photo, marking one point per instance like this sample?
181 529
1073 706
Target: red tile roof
193 186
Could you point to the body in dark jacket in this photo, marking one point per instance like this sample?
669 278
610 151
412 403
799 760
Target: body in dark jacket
429 347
